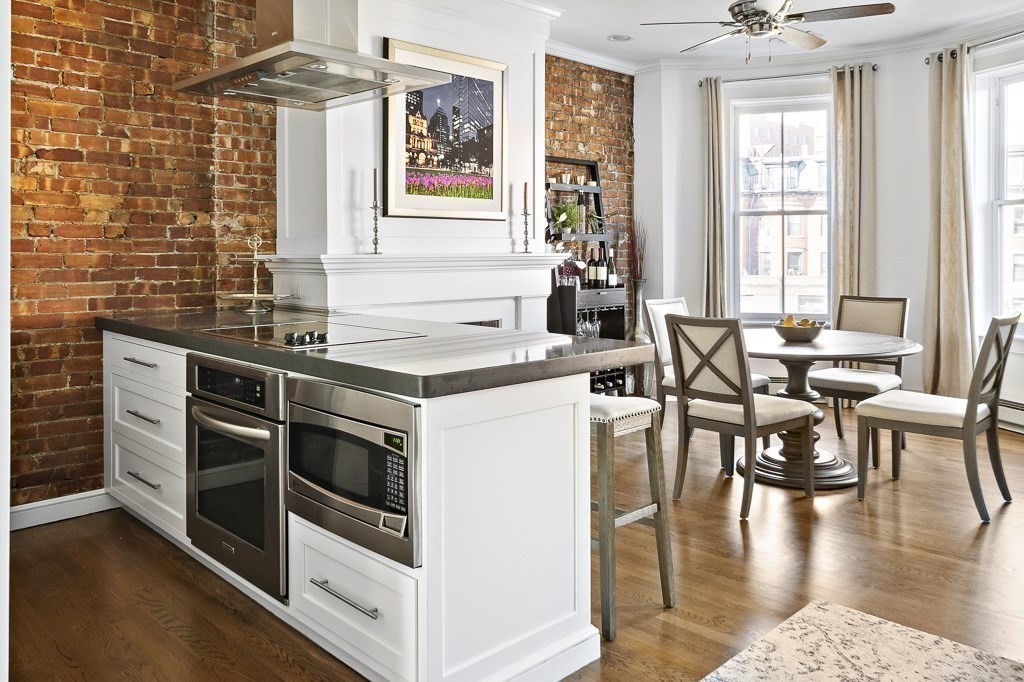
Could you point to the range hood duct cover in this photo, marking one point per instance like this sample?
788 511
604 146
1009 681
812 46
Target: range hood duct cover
307 59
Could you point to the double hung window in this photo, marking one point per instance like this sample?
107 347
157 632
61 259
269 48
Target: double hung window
780 231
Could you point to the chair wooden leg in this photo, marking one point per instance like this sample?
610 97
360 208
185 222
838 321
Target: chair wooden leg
903 440
606 525
656 475
896 454
862 455
765 440
992 435
726 452
971 465
660 396
682 453
807 447
876 446
837 411
750 452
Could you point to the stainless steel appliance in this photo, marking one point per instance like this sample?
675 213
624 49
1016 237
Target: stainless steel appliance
308 56
234 468
309 335
353 466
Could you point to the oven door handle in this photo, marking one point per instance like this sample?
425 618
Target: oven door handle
227 428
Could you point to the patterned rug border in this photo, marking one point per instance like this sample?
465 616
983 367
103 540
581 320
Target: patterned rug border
830 642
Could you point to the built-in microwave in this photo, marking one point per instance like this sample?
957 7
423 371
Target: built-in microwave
352 466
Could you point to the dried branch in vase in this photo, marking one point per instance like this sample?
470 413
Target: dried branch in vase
637 235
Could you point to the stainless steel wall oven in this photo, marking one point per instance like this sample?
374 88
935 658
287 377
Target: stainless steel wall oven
352 466
234 468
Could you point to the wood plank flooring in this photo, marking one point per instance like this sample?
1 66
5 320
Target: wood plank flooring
104 597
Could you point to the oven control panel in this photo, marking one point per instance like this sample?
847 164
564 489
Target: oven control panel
395 483
240 389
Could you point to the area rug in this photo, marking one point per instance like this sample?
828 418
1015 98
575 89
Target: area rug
824 641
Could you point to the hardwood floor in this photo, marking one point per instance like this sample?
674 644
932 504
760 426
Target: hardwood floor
104 597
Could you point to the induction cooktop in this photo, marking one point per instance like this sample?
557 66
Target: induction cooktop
309 335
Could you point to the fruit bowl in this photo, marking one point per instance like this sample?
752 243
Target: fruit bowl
796 333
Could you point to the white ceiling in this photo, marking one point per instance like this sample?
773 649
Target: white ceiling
585 25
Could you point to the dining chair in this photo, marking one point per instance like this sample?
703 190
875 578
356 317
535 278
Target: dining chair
713 376
655 310
875 314
946 417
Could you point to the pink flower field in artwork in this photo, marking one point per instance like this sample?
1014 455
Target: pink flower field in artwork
454 185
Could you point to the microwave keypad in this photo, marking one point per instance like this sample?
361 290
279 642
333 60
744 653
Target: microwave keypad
394 476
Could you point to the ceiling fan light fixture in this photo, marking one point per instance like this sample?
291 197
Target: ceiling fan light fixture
619 37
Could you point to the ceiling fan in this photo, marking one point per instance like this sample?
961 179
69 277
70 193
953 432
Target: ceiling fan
751 20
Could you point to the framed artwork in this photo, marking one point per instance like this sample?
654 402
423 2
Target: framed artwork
444 147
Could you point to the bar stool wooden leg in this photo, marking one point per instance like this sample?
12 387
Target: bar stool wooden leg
606 524
656 474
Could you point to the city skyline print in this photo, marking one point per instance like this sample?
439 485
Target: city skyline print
445 144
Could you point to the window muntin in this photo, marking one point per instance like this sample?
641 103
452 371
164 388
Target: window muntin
781 236
1007 123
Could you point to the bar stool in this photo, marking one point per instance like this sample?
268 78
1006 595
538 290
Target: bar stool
611 417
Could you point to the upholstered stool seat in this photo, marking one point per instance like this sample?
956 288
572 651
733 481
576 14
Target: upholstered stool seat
615 416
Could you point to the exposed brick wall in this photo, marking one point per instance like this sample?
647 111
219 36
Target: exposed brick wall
589 114
125 196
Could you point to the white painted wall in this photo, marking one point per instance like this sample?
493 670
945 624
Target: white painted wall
5 346
326 160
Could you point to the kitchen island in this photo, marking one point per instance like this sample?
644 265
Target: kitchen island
503 479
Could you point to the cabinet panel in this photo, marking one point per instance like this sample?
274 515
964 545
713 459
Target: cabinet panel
144 361
365 606
156 487
150 416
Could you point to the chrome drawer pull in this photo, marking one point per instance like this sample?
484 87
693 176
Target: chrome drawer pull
138 476
136 413
322 584
151 365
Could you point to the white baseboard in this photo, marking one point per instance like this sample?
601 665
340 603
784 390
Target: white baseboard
61 508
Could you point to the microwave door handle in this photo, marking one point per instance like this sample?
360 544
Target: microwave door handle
369 515
229 429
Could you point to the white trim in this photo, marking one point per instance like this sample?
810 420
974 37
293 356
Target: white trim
5 342
61 509
576 54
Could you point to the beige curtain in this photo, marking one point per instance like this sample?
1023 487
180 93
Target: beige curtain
714 202
949 341
853 228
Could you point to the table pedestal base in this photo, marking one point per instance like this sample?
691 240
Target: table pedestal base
784 466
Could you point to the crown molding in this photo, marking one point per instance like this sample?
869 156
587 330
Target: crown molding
575 54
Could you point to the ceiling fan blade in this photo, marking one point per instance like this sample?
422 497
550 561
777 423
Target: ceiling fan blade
680 23
716 39
798 38
851 12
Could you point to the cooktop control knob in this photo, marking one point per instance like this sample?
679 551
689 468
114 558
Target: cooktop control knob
321 337
289 338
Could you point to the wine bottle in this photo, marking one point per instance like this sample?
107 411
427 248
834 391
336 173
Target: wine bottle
581 210
602 271
592 271
613 273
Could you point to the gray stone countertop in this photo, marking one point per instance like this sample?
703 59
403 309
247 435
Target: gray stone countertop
448 359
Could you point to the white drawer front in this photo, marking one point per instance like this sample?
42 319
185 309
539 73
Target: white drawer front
148 481
154 362
153 417
386 643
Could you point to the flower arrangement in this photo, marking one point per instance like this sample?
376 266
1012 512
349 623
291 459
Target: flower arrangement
449 185
636 233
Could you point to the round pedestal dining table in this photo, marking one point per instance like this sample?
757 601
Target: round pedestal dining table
783 466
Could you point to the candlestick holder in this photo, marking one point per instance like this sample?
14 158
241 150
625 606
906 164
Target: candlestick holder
526 230
376 210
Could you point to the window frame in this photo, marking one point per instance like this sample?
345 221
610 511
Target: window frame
820 99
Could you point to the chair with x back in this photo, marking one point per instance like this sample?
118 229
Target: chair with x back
947 417
655 310
713 377
874 314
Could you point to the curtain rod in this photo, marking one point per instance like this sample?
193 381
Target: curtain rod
928 60
700 83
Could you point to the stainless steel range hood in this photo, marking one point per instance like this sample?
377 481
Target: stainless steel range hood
307 59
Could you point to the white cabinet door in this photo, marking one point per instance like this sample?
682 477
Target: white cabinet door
151 416
144 360
148 484
357 602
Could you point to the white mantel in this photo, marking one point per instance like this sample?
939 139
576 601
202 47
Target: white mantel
512 287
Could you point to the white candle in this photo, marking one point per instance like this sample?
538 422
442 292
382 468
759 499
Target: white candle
375 185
